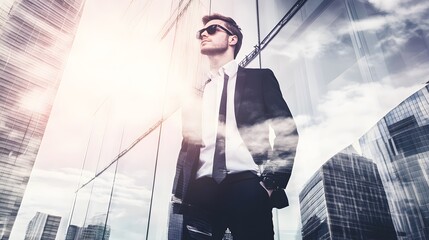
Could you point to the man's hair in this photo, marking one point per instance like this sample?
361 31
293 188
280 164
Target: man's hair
230 25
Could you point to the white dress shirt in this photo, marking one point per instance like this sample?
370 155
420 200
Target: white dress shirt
238 157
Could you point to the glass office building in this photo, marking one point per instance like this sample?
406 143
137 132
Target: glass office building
35 39
43 227
345 199
73 233
399 144
96 229
330 57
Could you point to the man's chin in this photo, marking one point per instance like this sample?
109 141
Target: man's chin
210 52
206 51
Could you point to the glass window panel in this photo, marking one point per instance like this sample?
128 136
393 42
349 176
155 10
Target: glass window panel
169 149
95 146
96 215
80 209
129 209
270 14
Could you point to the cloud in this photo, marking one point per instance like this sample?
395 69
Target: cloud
386 5
367 24
394 26
418 73
309 45
399 23
343 116
49 192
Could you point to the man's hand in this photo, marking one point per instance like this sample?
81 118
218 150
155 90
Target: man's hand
268 191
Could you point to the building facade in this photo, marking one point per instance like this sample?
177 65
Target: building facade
399 145
73 232
35 39
43 227
94 230
345 199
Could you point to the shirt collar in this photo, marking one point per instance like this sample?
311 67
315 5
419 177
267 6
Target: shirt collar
230 69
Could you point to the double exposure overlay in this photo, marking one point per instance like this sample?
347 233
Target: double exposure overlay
353 73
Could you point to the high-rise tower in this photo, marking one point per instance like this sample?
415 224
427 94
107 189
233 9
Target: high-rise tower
399 144
43 227
35 39
345 199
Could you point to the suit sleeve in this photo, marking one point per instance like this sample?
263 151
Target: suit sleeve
191 142
279 167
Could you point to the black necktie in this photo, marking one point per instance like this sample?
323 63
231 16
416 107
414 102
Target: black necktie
219 161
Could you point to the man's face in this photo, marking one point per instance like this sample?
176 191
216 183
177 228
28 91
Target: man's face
216 43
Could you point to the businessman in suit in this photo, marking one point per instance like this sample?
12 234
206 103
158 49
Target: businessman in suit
228 174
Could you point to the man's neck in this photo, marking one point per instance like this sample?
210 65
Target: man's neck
217 61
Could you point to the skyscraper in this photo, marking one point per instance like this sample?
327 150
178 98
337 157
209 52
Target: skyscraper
228 235
95 232
96 229
35 39
345 199
43 227
399 144
73 232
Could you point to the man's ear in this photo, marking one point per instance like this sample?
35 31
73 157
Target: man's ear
232 40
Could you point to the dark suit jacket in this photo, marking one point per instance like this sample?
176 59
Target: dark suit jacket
258 104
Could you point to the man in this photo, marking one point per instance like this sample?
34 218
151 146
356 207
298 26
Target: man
228 174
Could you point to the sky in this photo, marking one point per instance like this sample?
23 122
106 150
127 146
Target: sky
109 76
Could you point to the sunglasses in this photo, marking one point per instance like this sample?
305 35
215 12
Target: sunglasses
212 30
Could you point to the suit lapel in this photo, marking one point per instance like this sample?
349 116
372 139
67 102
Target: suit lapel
239 89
